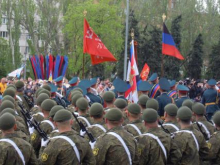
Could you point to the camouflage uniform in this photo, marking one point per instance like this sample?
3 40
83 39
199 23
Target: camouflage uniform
76 125
95 130
59 151
109 150
24 102
214 145
9 155
71 108
170 126
139 124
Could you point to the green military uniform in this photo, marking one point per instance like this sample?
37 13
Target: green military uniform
142 100
171 125
60 151
98 127
202 124
214 142
110 150
122 104
135 127
24 154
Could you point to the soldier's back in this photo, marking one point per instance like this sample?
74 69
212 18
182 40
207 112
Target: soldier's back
135 128
97 129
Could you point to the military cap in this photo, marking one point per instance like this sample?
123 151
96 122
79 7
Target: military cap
184 113
116 81
62 115
81 89
120 103
48 104
38 90
82 104
172 83
134 108
54 110
93 81
188 103
142 100
96 109
8 110
144 86
41 98
73 80
150 115
198 108
153 77
109 96
7 121
19 84
58 79
171 109
7 97
75 92
182 88
47 87
152 103
75 98
9 92
212 82
44 91
53 88
216 118
78 89
11 86
121 86
114 114
85 83
7 104
164 84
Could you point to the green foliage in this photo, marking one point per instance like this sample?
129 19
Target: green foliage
5 62
105 20
172 65
196 59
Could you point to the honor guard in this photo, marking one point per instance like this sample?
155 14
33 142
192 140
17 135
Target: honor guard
163 99
182 95
154 92
61 88
172 93
121 87
73 83
144 87
210 99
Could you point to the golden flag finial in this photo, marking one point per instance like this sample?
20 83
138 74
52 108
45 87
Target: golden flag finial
132 34
164 17
84 13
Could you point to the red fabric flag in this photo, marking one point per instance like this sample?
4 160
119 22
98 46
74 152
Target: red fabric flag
145 72
93 45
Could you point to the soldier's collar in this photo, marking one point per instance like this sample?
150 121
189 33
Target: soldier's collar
115 128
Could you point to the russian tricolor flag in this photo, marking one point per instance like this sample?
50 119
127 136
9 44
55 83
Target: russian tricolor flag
169 46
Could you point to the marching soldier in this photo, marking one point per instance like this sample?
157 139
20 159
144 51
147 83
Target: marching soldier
142 100
155 92
109 98
75 97
122 105
116 146
135 126
210 99
14 150
67 147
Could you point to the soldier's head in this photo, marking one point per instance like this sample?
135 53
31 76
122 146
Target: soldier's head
10 91
109 97
170 111
53 111
113 118
7 97
150 117
120 104
164 85
154 78
63 120
7 104
216 119
152 103
198 109
144 87
75 97
46 106
142 100
82 105
44 91
41 98
47 87
20 86
182 90
188 103
133 112
211 83
96 111
7 123
184 115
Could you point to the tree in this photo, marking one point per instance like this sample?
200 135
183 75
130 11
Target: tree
105 21
5 58
196 59
172 65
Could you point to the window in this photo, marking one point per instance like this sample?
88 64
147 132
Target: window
4 20
3 34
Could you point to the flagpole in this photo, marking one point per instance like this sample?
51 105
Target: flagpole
83 73
162 58
126 41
